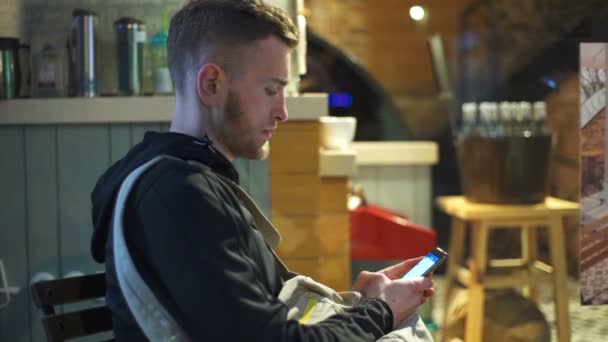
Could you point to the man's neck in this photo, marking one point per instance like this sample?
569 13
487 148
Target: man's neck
220 148
189 120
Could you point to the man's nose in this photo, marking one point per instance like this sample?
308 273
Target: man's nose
280 111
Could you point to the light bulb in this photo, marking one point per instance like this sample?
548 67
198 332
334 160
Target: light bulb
417 13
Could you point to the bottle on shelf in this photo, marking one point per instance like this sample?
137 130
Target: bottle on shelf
506 118
50 72
488 116
160 68
469 119
539 117
523 119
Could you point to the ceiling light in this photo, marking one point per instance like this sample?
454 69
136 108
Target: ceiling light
417 13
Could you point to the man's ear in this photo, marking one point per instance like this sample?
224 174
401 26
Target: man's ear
209 83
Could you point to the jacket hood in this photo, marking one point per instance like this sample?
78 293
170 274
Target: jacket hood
154 144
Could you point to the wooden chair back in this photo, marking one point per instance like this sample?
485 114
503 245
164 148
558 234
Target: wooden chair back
91 317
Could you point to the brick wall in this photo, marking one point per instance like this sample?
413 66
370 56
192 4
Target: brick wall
382 37
393 48
526 27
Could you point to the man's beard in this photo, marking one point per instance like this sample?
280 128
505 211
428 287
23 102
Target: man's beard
236 136
264 151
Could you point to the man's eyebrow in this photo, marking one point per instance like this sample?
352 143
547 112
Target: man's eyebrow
279 81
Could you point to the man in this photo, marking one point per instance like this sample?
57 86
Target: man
191 240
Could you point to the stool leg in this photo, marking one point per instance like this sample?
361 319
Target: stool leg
475 314
529 253
456 253
560 278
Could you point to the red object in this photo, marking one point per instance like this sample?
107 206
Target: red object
380 234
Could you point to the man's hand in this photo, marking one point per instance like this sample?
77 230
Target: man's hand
403 296
398 270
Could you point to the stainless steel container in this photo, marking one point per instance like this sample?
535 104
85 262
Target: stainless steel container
83 44
9 68
130 40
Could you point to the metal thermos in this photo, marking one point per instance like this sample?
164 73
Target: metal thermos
130 40
9 68
83 46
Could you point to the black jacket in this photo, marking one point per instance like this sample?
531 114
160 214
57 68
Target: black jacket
200 253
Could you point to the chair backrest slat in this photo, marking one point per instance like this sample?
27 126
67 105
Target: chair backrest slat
69 290
86 320
61 327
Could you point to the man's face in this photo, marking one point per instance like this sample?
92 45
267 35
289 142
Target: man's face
255 101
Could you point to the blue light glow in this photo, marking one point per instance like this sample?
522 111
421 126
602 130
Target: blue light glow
343 100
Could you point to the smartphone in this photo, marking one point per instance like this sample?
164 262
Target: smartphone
428 264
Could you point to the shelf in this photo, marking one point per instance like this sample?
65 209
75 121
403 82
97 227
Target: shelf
99 110
393 153
337 163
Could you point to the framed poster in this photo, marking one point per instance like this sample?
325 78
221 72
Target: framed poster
594 174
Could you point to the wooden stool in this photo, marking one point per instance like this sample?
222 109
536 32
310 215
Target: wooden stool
521 272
